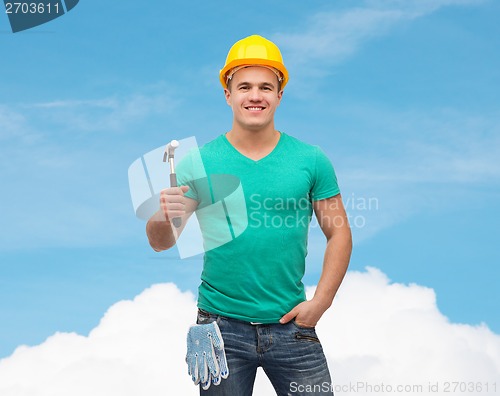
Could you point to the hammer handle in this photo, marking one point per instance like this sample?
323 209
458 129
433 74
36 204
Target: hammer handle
177 221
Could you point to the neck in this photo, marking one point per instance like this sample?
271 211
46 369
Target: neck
250 137
254 144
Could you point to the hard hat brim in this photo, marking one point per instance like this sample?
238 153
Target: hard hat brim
253 62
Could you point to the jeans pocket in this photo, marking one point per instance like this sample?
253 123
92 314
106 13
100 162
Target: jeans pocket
205 317
305 333
307 337
302 327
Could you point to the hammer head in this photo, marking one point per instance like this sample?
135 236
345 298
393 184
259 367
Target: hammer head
169 150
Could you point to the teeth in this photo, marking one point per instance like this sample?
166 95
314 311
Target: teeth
254 108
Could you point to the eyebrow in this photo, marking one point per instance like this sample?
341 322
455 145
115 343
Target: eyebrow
264 84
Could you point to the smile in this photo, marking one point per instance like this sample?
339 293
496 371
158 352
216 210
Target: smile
255 108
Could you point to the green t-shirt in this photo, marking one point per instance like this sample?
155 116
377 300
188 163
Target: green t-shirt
256 274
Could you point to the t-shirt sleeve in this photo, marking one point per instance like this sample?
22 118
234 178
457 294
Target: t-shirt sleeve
325 181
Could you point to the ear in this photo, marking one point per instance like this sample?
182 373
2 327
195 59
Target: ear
280 95
227 94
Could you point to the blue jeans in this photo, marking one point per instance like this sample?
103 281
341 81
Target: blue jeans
291 356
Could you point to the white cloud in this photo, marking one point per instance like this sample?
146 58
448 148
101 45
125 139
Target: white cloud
380 332
420 6
137 349
398 164
48 153
333 36
329 37
428 146
74 191
9 122
114 113
14 125
376 332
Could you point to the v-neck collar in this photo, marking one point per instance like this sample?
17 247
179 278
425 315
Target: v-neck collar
271 153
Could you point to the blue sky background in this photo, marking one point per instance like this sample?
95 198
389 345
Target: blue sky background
402 95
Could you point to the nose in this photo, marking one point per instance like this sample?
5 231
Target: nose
255 94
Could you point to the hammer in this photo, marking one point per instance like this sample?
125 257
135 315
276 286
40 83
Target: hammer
169 155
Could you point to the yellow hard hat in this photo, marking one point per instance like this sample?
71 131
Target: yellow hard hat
254 50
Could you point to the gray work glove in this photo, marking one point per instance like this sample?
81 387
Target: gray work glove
205 356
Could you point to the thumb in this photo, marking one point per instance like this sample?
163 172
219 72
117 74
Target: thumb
184 189
288 317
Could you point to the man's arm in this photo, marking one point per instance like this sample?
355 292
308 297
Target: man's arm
333 221
161 234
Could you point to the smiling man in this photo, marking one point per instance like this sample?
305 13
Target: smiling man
254 98
251 287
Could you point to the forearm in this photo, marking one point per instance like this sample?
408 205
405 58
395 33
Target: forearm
159 232
335 263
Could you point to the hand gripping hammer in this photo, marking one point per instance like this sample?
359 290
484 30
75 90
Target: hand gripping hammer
169 155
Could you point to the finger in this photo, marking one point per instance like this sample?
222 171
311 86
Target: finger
192 368
217 339
206 385
177 190
172 208
213 363
196 373
173 199
216 380
288 317
204 372
224 369
305 325
173 193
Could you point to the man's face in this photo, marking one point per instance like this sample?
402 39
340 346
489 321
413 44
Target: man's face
254 97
